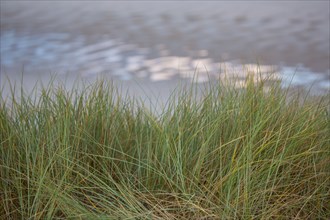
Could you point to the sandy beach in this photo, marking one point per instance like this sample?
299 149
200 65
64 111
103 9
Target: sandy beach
165 41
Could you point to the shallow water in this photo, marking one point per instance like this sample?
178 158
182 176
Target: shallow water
167 41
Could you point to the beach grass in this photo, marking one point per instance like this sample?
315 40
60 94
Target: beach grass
212 152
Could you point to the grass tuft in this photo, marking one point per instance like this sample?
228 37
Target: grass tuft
216 152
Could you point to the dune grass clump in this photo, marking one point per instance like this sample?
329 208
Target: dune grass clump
218 153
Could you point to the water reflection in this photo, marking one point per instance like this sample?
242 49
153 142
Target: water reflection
168 40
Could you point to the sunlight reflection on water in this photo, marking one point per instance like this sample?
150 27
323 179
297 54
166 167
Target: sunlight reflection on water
161 42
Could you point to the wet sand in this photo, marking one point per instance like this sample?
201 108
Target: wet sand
165 41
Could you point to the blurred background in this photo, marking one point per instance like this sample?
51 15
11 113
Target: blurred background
159 42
